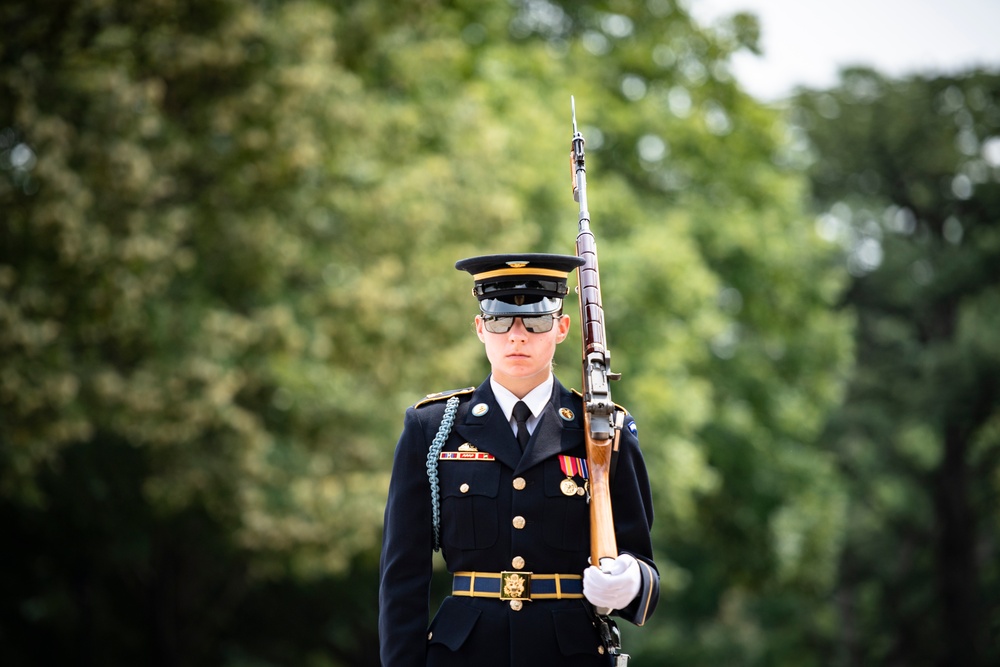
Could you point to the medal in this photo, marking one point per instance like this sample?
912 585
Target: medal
572 466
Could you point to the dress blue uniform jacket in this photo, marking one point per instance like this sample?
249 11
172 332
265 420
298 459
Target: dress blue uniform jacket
478 502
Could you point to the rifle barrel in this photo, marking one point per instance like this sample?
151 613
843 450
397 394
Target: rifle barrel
598 407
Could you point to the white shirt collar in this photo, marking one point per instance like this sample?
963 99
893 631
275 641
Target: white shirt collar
536 400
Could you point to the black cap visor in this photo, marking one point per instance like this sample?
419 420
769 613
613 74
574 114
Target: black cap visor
527 306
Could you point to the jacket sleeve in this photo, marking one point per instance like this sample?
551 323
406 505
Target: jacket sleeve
632 506
407 551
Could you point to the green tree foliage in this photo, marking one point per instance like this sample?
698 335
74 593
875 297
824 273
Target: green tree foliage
226 267
908 176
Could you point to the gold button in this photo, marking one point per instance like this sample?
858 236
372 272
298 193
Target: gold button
518 522
600 649
519 483
464 488
517 562
516 605
430 635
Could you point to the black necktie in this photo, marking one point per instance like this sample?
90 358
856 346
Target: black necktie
521 414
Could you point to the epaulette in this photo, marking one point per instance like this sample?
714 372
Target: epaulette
439 395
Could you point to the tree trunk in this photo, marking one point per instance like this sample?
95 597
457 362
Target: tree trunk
956 563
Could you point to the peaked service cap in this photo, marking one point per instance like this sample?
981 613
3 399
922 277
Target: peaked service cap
520 284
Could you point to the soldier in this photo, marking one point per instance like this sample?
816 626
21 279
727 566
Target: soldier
496 476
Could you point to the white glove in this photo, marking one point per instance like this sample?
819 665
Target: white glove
614 587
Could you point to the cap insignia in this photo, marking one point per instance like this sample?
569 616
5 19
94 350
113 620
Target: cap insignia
517 265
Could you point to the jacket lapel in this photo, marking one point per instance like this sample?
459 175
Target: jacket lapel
485 426
559 430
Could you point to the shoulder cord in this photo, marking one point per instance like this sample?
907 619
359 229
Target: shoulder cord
433 453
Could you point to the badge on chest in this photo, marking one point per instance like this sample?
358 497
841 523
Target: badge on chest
466 452
467 456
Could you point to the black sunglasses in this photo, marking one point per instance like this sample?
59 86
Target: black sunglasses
534 323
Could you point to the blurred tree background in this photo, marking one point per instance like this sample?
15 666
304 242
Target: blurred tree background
907 176
227 237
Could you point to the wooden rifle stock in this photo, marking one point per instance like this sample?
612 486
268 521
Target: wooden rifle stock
598 413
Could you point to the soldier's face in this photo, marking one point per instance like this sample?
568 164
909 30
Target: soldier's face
522 360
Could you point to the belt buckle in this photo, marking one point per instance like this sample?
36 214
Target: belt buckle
515 585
